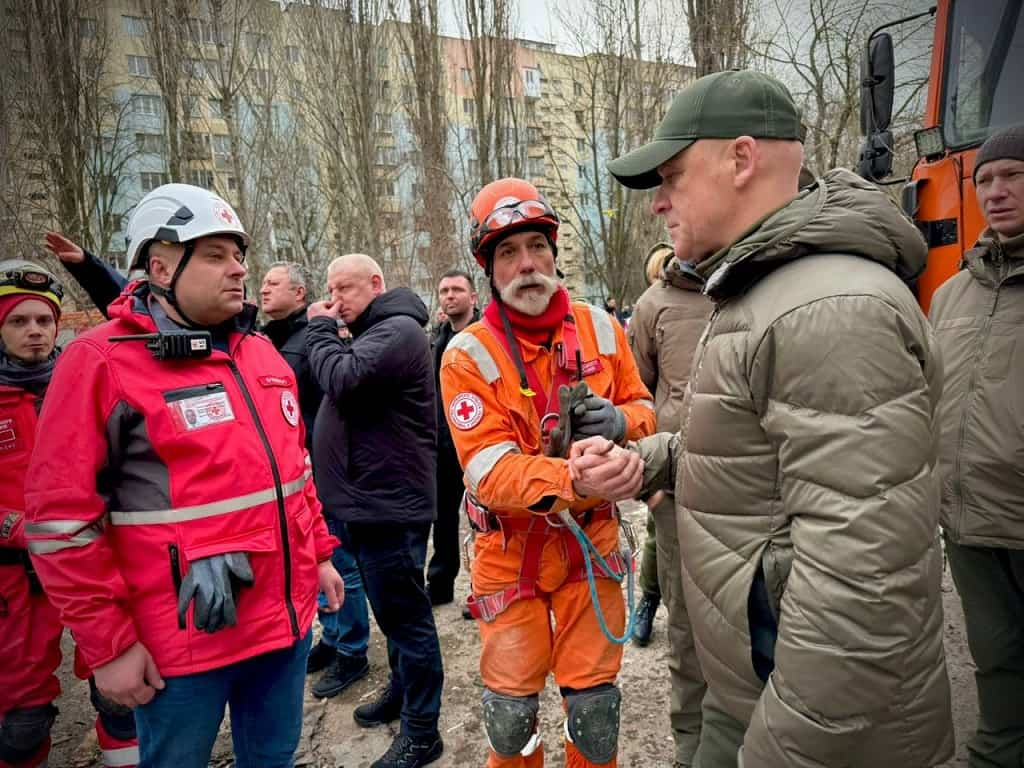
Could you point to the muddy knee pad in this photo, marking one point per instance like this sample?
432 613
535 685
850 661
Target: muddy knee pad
510 722
24 731
117 720
592 721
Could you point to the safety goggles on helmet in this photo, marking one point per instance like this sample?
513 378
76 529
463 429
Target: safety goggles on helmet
506 215
29 280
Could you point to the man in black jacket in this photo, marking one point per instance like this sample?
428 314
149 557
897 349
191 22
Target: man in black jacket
457 295
375 459
346 636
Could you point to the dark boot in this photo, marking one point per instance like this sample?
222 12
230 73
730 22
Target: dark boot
342 672
644 625
319 658
386 708
411 752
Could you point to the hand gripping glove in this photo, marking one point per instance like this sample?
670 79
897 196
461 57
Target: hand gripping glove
597 417
561 436
213 583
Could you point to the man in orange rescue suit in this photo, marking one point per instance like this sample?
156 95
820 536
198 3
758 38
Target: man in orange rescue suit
30 628
500 380
170 508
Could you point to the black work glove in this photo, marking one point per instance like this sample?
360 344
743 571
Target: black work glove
213 583
597 417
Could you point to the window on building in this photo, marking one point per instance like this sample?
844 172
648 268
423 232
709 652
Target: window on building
387 156
232 183
530 111
581 118
382 122
474 168
149 143
216 109
536 166
221 150
203 31
382 57
471 135
408 95
577 89
468 107
260 78
134 26
581 170
200 178
141 66
281 220
384 90
147 104
87 28
466 75
534 135
196 146
531 76
581 146
385 188
257 42
194 107
584 199
291 54
150 181
196 68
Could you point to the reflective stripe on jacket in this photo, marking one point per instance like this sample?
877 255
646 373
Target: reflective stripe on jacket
144 466
978 317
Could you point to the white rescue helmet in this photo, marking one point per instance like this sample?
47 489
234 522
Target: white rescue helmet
179 213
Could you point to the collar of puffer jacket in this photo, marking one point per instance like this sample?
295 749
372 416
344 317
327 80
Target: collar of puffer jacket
839 213
993 260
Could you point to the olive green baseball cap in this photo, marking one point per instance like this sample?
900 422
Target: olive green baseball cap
722 105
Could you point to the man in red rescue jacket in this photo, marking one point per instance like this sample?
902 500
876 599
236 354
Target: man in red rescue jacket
170 511
30 628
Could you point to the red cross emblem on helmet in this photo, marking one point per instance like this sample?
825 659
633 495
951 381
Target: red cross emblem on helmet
225 215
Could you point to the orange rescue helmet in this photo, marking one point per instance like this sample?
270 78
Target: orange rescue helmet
503 207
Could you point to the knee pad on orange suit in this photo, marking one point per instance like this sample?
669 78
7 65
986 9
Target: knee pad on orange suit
592 721
510 723
25 736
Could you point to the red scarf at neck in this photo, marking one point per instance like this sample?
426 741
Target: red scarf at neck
536 329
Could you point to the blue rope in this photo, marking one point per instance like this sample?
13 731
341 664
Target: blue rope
589 550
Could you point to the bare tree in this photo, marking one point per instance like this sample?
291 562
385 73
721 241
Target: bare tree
70 120
490 52
815 46
620 91
424 92
719 33
169 41
343 88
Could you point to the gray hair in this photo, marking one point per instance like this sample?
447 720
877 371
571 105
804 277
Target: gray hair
297 274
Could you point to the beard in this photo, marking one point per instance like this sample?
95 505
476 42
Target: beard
535 302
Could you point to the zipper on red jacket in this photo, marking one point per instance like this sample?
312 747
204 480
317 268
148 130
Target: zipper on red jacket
281 515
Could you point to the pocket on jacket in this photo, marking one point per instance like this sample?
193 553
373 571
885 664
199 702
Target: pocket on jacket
253 542
762 625
999 355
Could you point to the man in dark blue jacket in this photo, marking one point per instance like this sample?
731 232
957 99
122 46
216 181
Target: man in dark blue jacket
375 461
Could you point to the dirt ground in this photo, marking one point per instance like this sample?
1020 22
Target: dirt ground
332 740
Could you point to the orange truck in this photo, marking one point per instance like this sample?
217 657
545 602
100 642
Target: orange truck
975 86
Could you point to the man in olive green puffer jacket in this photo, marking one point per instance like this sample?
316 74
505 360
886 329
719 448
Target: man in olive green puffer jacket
807 502
978 317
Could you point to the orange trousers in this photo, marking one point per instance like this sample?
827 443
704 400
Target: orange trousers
520 647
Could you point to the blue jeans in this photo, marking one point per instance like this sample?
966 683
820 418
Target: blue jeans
348 630
391 557
178 727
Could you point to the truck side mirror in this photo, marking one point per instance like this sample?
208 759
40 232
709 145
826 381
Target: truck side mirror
876 158
877 78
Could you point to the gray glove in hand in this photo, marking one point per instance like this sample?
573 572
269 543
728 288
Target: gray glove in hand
213 583
597 417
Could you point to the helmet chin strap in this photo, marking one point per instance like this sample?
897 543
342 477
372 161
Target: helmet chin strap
168 293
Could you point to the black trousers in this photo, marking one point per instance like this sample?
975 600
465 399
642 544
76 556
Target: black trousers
444 564
391 558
